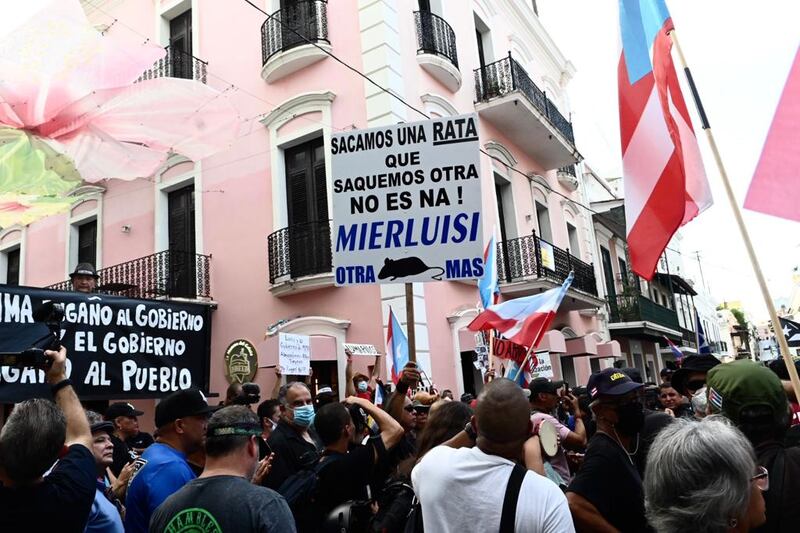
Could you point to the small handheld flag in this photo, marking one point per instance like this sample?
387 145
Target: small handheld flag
525 320
676 352
488 286
791 330
396 345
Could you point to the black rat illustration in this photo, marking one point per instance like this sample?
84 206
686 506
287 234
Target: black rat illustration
407 266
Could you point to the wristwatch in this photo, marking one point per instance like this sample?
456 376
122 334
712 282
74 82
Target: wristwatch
470 431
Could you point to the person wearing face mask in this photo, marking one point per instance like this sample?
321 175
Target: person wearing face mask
606 494
295 446
269 413
357 384
349 465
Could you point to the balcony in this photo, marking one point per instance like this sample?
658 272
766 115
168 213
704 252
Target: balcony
163 275
294 38
300 258
638 315
436 49
177 64
506 96
528 264
689 338
567 177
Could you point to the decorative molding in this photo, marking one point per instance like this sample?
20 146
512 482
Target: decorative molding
461 312
290 61
434 101
90 191
287 109
311 323
304 284
502 151
538 179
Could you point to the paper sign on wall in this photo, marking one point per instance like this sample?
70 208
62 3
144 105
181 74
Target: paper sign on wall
407 202
541 368
361 349
294 354
548 258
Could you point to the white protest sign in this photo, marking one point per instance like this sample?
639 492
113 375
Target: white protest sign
541 367
407 202
361 349
294 354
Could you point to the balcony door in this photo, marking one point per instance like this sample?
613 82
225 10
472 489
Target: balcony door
180 44
181 265
309 237
299 15
87 243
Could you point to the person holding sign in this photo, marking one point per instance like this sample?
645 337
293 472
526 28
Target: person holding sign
360 385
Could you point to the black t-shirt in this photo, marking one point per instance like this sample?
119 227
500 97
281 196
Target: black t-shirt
609 480
292 453
783 513
347 476
122 455
141 440
221 504
60 502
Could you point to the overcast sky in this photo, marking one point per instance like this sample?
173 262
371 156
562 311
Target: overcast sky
740 53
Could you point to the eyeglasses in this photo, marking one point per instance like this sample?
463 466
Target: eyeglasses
761 478
695 384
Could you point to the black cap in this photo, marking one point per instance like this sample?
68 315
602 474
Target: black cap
121 409
105 425
692 363
610 382
187 402
634 373
544 385
84 269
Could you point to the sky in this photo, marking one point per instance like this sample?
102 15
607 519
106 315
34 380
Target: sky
739 53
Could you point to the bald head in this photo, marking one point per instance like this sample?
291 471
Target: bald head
503 413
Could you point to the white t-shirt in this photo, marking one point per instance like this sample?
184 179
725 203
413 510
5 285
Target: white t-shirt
463 490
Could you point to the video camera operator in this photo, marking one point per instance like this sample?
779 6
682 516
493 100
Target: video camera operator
31 440
242 394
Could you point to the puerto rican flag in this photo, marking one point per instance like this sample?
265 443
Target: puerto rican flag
488 287
396 345
525 320
676 352
665 183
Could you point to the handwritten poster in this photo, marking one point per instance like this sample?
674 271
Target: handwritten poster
294 354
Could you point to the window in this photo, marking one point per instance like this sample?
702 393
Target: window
568 371
623 269
180 228
87 243
180 43
12 267
543 219
608 274
574 246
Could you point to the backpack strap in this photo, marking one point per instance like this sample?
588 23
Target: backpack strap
509 515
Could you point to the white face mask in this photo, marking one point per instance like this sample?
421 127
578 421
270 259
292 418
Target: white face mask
274 424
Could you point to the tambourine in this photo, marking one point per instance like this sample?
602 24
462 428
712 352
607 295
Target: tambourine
548 437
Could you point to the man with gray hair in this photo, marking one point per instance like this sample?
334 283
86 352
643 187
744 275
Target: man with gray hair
223 498
295 447
30 442
702 476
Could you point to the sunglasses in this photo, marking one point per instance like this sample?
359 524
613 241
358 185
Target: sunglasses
408 408
761 478
695 384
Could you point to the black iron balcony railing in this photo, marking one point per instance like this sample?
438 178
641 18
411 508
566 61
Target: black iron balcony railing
689 337
569 170
506 76
637 308
523 257
435 36
300 250
167 274
308 19
177 64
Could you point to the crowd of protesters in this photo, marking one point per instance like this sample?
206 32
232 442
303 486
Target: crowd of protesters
713 448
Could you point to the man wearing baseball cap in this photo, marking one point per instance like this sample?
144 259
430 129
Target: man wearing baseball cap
181 419
607 494
752 397
123 416
691 376
544 401
84 278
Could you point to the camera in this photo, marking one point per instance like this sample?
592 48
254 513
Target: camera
52 314
251 393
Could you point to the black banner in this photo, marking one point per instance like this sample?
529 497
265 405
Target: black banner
116 347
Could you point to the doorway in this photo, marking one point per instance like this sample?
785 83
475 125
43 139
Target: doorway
473 380
180 45
181 277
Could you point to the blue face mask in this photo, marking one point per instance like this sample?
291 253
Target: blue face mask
304 415
362 386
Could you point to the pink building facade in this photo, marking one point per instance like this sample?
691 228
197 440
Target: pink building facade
247 230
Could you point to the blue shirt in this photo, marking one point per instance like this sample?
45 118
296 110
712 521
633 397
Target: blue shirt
104 517
159 472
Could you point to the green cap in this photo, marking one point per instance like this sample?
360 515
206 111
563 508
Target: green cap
744 383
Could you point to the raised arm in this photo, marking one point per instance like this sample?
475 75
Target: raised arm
349 388
391 430
78 431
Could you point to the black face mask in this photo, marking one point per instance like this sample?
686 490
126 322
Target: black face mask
630 418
